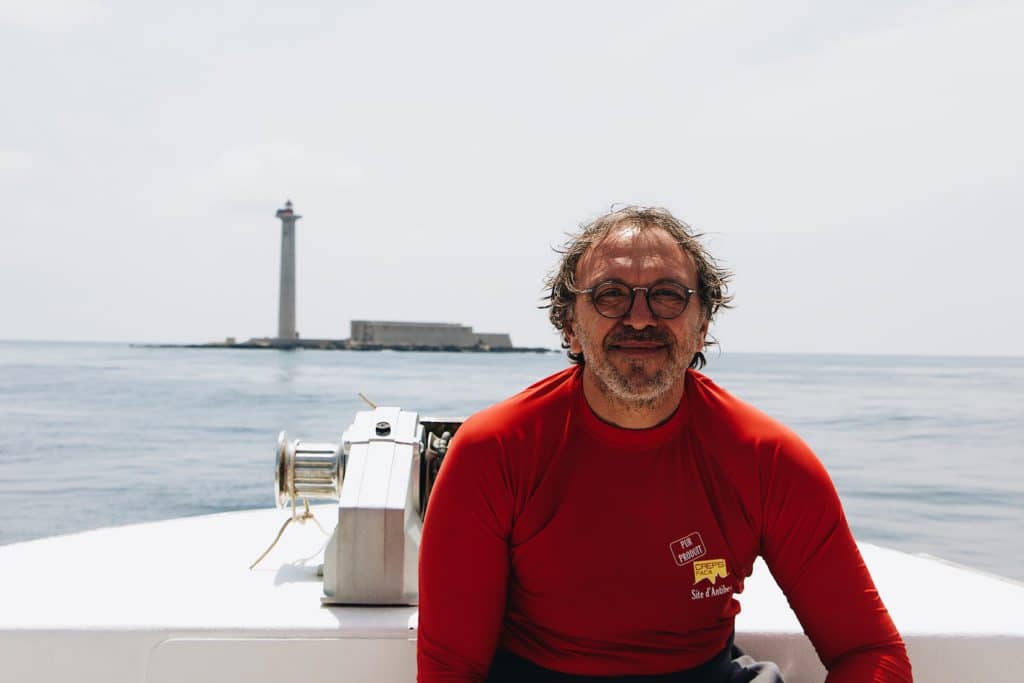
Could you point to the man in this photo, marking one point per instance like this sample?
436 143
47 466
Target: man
599 523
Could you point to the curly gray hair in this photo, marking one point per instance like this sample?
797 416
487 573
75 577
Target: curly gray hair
712 279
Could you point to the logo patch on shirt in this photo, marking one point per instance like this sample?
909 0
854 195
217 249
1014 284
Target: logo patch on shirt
711 570
687 549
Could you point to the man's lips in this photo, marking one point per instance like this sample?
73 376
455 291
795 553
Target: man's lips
637 345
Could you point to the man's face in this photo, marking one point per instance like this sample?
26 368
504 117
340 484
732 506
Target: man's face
636 360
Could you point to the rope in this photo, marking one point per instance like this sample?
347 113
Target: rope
301 519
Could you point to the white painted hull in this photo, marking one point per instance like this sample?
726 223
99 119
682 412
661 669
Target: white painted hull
175 601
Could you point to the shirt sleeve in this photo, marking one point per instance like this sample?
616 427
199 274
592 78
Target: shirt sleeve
808 546
464 562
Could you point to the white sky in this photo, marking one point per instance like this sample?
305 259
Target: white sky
859 165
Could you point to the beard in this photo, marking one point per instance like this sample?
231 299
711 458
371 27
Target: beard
638 383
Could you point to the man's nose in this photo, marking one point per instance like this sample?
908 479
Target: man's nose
639 315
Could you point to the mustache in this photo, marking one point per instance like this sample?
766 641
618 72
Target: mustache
648 334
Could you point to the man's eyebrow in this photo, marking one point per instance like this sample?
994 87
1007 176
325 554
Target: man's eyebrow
661 281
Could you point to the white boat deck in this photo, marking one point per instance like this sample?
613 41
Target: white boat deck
175 601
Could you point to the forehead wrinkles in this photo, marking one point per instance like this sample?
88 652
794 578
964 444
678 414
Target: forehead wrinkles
634 249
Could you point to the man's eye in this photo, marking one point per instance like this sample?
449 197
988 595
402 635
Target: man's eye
668 294
609 295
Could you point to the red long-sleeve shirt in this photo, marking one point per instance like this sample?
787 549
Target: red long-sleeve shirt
596 550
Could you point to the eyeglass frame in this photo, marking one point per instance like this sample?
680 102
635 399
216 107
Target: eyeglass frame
632 298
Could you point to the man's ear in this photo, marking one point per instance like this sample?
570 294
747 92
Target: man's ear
573 341
571 338
702 334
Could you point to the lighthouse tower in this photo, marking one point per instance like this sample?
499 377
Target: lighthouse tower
286 306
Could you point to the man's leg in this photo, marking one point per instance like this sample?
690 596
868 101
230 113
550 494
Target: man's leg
745 669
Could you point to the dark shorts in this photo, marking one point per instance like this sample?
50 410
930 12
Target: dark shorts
728 666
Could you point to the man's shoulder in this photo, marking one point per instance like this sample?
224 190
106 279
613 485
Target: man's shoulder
720 416
714 406
533 409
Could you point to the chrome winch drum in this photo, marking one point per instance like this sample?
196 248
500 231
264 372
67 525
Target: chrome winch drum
307 470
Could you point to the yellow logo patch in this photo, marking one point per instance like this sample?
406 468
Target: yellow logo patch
711 570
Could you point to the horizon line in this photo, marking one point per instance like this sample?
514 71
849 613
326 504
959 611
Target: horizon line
719 352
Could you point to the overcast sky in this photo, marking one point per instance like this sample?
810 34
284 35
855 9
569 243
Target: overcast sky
859 165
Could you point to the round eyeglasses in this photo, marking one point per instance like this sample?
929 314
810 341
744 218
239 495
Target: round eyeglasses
614 299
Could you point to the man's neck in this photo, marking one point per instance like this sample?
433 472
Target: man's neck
640 415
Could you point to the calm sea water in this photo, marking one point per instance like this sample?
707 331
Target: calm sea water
926 452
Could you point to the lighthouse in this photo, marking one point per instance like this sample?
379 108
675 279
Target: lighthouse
286 305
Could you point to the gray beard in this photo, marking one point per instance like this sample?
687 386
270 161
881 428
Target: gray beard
634 389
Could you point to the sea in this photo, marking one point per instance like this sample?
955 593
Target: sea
926 452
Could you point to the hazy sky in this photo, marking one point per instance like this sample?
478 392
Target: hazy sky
859 165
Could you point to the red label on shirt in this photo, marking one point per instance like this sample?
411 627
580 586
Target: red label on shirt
687 549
